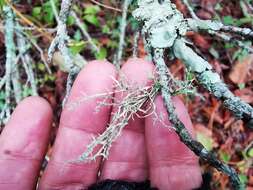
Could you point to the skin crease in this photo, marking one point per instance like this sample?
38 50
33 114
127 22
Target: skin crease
150 151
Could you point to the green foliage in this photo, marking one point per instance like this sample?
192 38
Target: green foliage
77 46
27 91
106 29
250 153
224 156
101 54
240 54
2 3
36 12
244 179
205 140
70 20
241 86
78 35
41 67
229 20
45 12
46 78
90 15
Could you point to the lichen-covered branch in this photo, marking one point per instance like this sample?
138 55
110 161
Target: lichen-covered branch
167 29
60 42
164 28
179 127
123 25
230 39
10 54
198 24
62 37
15 80
247 32
135 44
211 80
207 24
26 60
193 15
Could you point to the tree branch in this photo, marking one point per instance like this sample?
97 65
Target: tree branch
211 81
179 127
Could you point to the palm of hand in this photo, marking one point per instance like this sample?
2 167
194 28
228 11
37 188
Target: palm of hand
142 151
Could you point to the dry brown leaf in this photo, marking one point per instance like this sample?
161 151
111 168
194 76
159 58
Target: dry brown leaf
245 94
240 71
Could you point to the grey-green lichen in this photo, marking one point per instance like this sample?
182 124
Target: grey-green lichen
211 80
197 24
162 22
164 27
188 56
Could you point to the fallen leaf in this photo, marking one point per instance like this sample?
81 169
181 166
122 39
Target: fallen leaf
204 135
240 71
245 94
201 42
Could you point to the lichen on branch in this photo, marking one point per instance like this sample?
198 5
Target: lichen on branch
164 28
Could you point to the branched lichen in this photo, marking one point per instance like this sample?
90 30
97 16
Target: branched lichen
134 103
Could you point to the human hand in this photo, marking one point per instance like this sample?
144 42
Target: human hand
144 150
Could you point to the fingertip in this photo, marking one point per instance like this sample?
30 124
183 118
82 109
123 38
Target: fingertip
90 77
99 67
33 108
138 70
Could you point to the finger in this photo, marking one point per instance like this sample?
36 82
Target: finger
79 123
127 158
171 163
23 144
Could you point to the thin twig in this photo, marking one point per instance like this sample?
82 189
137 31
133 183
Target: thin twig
60 42
80 24
26 60
54 10
247 32
123 25
2 81
135 46
230 39
193 15
106 6
212 81
10 54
